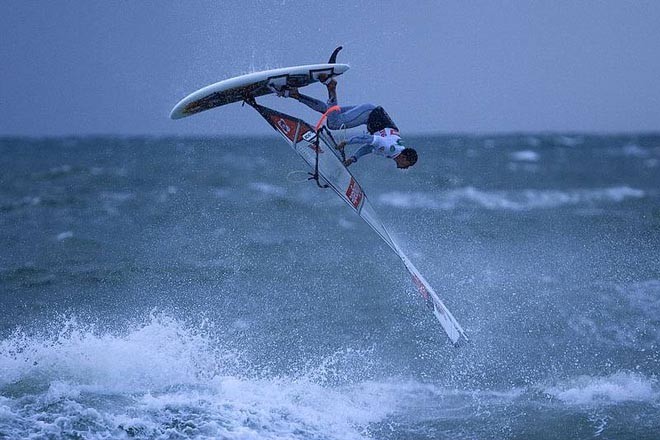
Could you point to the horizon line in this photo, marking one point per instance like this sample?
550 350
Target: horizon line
274 134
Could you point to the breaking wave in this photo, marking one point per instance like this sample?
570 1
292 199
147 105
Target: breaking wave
521 200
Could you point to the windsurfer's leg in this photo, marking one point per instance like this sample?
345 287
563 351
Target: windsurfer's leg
332 92
347 117
350 117
314 104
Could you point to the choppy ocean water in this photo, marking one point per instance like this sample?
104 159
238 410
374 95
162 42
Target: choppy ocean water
193 288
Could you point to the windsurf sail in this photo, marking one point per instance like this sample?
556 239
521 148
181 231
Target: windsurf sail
318 149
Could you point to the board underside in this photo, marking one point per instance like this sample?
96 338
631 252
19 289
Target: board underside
252 85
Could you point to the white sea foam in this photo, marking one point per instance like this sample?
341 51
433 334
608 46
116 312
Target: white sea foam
346 224
525 156
8 205
634 150
222 193
164 379
520 200
64 235
158 354
569 141
644 296
619 387
111 201
267 188
639 302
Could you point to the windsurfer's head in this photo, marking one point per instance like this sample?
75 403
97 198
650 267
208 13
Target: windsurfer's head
407 158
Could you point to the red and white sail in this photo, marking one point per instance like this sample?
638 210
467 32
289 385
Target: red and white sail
302 138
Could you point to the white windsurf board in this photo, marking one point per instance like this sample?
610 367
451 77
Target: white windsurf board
252 85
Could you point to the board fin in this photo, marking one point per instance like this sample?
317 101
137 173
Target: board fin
333 57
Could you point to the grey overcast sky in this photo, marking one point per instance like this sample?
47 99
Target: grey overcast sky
117 67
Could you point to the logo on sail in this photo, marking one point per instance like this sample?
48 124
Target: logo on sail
283 126
354 193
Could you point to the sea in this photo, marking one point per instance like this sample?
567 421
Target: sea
202 288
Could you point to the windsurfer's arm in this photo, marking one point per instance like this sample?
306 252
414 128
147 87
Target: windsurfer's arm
360 140
362 151
366 147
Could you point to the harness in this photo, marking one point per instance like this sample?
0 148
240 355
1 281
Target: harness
378 120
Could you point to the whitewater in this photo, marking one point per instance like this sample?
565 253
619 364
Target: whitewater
170 288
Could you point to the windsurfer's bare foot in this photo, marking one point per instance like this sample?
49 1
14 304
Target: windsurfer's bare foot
331 85
332 91
328 80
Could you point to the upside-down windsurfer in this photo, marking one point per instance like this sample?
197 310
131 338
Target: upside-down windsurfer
383 138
